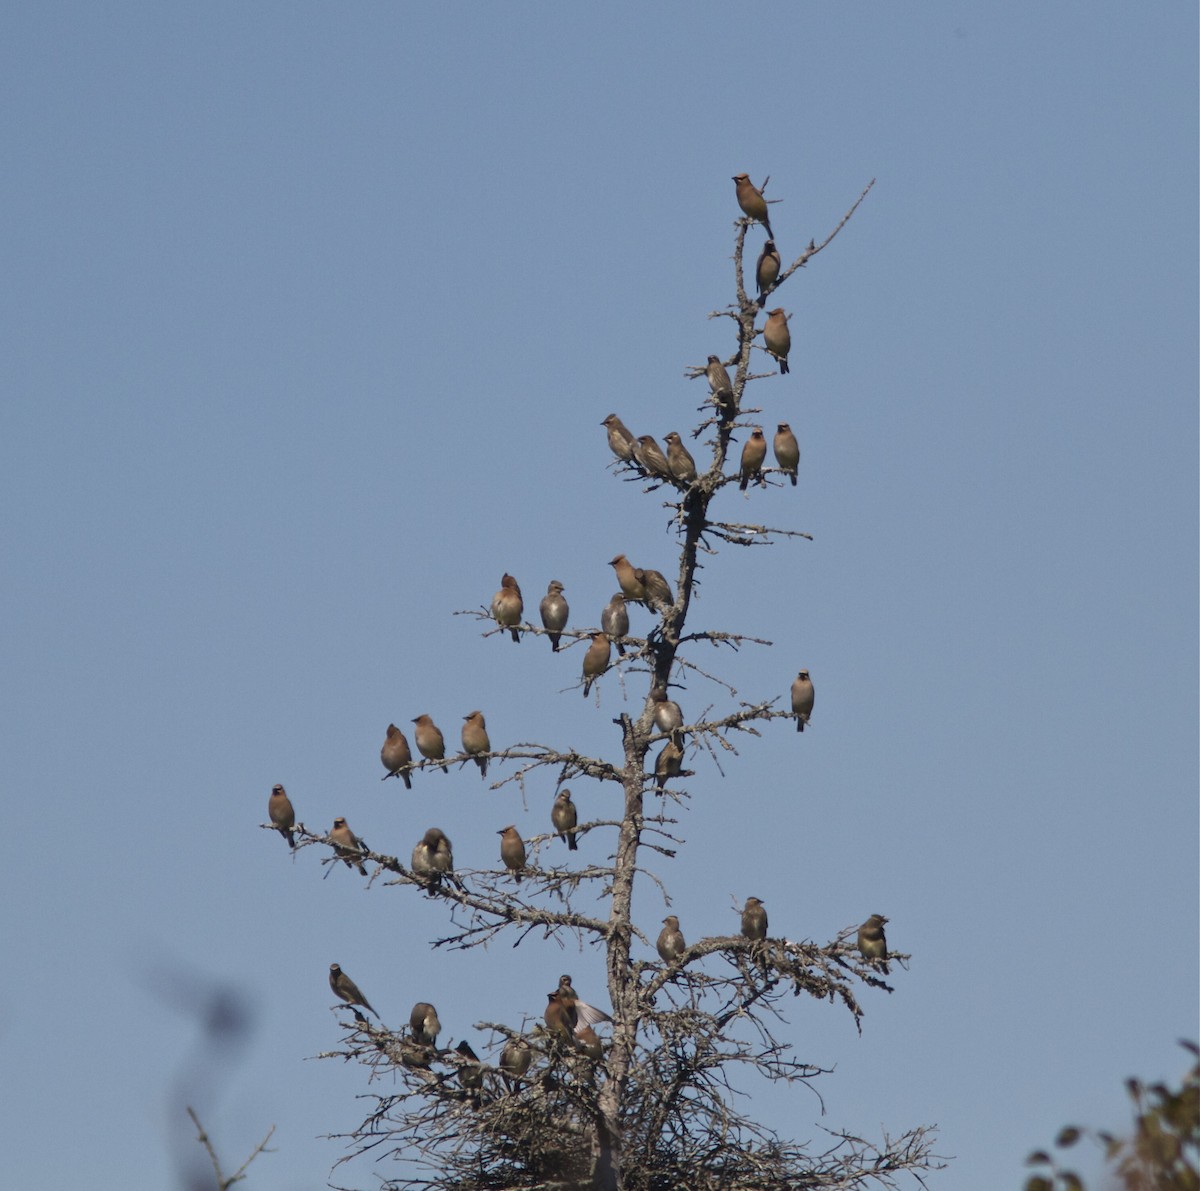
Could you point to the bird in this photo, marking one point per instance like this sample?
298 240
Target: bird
614 620
470 1071
669 761
753 454
584 1013
668 716
679 460
475 740
423 1021
587 1041
564 817
650 455
754 920
629 579
670 940
620 438
787 450
554 612
515 1058
872 943
395 754
766 272
434 855
347 845
430 741
751 201
560 1019
595 661
802 699
346 989
507 605
777 337
718 381
283 815
512 850
658 591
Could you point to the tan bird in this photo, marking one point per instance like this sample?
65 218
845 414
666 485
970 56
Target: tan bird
554 612
718 381
670 940
872 942
434 855
346 989
754 920
766 272
515 1058
802 699
423 1021
753 454
668 716
787 450
679 460
512 850
395 754
470 1072
475 740
650 455
658 591
560 1020
595 661
564 817
668 762
507 605
430 741
587 1041
347 845
751 200
283 816
620 438
629 579
584 1013
614 620
777 337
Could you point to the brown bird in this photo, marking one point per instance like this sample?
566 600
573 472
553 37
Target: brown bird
283 816
718 381
753 454
614 620
670 940
507 605
777 337
751 201
584 1013
564 817
629 578
669 761
470 1071
649 454
587 1041
620 439
423 1021
560 1019
434 855
766 272
668 716
595 661
872 943
802 699
787 450
347 845
346 989
512 850
754 920
396 753
679 460
554 612
430 741
475 740
515 1058
658 591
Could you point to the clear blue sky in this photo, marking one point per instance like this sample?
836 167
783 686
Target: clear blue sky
311 314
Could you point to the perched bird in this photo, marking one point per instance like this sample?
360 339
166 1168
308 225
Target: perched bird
584 1013
718 381
560 1019
802 699
475 740
629 578
554 612
753 454
423 1021
668 762
595 661
587 1041
507 605
564 817
872 943
430 741
649 454
766 272
777 337
346 989
670 940
614 620
668 716
787 450
658 591
470 1071
283 816
396 753
679 460
751 201
433 856
512 850
515 1058
754 920
620 439
347 845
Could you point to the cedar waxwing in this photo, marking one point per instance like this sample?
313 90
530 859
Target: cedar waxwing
669 762
649 454
802 699
564 817
718 381
754 920
475 740
679 460
777 337
279 807
787 450
433 855
872 943
753 454
515 1058
658 590
614 620
554 612
670 940
587 1041
345 988
347 845
751 201
585 1014
560 1019
470 1071
395 753
512 850
620 439
507 605
630 580
667 713
423 1021
766 272
595 661
430 741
